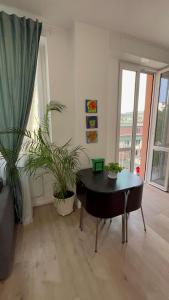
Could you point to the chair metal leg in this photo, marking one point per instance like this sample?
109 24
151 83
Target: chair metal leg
123 229
104 221
143 219
81 218
97 229
126 227
110 221
125 221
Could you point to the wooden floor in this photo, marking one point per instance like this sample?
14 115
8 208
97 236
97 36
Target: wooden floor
55 261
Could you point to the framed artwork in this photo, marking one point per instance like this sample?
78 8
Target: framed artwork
91 122
91 106
91 136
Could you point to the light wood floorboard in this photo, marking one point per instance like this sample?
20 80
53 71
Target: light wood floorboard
54 260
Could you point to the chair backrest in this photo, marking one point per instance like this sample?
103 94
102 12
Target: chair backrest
81 192
135 198
80 188
102 205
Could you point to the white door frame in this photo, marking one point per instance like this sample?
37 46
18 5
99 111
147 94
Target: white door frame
151 146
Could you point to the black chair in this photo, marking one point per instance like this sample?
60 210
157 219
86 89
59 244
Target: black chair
134 202
81 194
94 204
6 232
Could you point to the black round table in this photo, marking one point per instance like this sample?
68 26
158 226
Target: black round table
99 181
104 190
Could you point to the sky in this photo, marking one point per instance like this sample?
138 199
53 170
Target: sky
163 90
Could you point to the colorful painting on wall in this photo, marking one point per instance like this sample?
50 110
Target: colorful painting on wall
91 106
91 122
91 136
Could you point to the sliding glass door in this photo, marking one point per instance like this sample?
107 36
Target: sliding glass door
136 86
159 150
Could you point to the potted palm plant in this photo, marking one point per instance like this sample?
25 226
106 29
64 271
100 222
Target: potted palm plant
60 161
66 166
113 169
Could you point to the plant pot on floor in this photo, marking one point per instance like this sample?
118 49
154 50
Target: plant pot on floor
65 206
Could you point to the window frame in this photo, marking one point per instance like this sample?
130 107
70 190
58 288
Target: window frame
138 69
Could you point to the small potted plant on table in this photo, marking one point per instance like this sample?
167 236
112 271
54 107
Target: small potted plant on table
113 169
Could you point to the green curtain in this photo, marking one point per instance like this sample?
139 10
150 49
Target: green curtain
19 43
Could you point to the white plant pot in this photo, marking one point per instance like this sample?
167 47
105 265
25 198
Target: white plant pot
64 206
112 175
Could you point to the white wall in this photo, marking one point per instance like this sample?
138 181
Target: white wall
60 57
112 107
91 77
122 45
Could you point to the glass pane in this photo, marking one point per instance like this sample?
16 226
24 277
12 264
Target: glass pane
140 118
127 107
159 166
162 123
124 159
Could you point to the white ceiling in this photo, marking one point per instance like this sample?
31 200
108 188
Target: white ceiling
144 19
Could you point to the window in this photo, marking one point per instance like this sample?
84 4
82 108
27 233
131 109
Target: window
126 117
134 115
41 89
